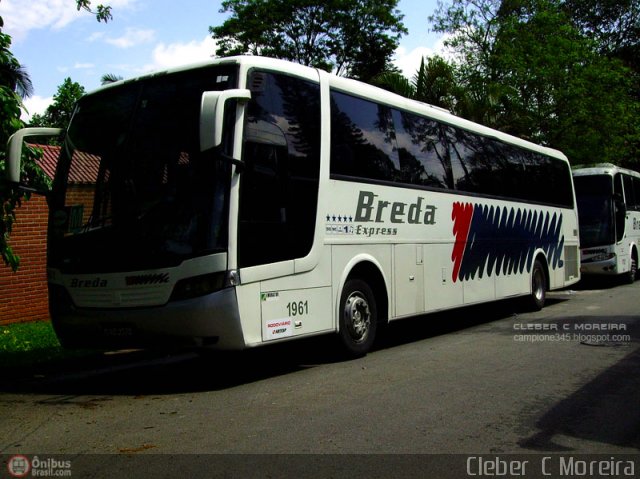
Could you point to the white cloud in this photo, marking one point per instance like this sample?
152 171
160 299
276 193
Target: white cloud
22 16
95 36
132 37
84 66
35 104
409 61
176 54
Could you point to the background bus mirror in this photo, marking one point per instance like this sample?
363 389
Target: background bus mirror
15 145
212 115
621 207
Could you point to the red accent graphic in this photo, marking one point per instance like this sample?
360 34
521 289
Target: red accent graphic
461 215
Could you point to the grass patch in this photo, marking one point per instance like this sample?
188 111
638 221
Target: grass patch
29 344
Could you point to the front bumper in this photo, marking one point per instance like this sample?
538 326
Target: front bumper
212 320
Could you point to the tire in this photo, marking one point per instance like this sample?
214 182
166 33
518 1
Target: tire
631 276
358 321
538 286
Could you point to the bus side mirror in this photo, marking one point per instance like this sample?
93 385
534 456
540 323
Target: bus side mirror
14 150
212 115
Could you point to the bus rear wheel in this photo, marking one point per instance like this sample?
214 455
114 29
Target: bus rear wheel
538 286
358 320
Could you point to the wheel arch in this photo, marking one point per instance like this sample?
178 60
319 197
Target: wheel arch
633 253
371 271
540 255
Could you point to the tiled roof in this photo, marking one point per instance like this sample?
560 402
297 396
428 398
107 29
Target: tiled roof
84 167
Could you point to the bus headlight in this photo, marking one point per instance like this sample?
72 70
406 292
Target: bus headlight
198 286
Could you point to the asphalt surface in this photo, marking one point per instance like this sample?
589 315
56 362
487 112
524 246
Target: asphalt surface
490 380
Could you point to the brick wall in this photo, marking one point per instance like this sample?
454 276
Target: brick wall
23 295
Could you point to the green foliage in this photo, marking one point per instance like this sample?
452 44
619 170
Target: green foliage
527 69
102 13
30 344
108 78
22 337
10 104
433 83
613 24
10 110
355 38
58 114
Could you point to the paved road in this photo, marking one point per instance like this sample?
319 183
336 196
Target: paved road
481 380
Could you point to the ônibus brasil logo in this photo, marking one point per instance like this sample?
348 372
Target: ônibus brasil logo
19 466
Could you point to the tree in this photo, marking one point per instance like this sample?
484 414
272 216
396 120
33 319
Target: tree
10 109
613 24
58 114
351 37
561 89
108 78
434 82
543 79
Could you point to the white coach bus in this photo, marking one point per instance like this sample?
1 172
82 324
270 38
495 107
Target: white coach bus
609 213
249 200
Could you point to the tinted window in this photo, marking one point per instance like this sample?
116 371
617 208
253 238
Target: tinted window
132 182
362 139
629 192
636 186
593 185
477 165
423 156
370 142
279 187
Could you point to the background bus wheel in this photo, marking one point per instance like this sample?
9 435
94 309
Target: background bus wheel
358 318
538 286
633 271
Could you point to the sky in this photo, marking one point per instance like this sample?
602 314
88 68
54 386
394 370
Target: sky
53 41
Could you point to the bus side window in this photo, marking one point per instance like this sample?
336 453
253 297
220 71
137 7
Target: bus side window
363 142
629 192
636 187
620 211
424 159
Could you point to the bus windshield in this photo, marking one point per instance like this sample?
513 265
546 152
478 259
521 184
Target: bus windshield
595 210
132 189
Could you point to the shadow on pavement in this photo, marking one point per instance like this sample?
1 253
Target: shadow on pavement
605 410
170 372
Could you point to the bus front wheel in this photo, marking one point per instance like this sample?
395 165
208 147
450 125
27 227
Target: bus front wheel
358 318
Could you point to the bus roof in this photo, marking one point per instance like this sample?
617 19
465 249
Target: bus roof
601 169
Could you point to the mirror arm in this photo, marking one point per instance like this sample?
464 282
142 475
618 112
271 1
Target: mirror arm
239 164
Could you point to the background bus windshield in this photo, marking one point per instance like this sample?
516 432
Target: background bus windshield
595 210
132 189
